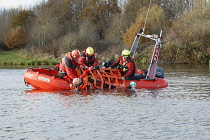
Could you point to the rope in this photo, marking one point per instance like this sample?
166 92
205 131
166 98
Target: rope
147 15
135 43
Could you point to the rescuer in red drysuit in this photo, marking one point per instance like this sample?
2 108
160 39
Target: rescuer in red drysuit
68 66
88 59
127 65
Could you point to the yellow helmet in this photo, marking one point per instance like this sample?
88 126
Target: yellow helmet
90 51
125 53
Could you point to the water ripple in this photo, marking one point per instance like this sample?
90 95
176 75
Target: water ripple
180 111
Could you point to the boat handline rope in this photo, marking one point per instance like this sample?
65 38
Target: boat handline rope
137 38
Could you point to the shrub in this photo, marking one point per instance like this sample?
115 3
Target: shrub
16 38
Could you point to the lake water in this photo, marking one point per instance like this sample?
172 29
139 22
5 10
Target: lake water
179 112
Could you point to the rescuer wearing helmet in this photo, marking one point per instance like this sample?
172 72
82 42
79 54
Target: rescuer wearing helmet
68 66
127 65
88 59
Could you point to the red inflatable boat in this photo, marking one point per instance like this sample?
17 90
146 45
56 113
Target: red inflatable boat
40 78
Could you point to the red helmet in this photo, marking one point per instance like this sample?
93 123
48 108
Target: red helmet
75 53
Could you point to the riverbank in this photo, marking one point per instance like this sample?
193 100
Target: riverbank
14 58
17 58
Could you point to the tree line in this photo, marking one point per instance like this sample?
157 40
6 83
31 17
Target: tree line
51 29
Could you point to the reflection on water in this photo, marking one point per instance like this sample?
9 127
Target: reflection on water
180 111
83 93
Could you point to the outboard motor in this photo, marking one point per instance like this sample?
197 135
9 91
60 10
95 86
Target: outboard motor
159 73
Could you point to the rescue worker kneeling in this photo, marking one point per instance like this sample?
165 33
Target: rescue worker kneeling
88 59
127 65
68 67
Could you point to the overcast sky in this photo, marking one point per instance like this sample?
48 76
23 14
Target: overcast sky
16 3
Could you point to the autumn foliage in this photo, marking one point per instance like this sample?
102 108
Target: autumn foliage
23 19
16 38
150 24
55 27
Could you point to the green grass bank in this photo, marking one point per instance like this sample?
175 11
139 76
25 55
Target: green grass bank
16 58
